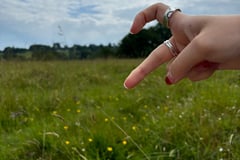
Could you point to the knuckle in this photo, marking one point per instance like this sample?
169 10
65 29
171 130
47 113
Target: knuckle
203 45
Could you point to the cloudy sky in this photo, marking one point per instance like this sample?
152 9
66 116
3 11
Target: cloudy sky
26 22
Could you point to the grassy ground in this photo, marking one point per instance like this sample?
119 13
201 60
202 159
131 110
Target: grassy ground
79 110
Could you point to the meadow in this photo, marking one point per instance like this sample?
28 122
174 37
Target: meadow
79 110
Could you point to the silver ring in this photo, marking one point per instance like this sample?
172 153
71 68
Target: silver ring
171 47
168 14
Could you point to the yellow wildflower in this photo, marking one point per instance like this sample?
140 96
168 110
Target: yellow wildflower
109 149
78 110
54 112
65 127
134 128
90 139
124 142
67 142
106 119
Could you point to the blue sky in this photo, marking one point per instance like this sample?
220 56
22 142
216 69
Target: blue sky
26 22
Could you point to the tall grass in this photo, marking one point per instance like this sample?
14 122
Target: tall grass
79 110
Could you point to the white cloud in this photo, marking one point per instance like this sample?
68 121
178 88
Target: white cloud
24 22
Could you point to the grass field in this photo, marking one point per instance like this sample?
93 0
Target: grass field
79 110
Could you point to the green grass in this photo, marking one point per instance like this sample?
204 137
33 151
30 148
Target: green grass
79 110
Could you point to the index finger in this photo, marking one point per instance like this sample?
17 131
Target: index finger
151 13
158 56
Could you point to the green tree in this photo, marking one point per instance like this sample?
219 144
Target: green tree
78 52
9 53
141 44
107 51
42 52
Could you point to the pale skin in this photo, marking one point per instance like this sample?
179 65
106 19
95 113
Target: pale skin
206 44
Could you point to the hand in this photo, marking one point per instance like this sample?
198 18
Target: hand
205 44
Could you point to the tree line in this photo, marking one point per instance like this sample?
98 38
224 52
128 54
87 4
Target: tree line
131 46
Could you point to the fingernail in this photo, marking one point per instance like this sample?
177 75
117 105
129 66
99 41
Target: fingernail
130 32
124 85
169 79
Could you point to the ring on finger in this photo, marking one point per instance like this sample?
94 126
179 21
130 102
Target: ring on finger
171 47
168 14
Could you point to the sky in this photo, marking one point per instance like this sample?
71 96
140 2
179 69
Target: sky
84 22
